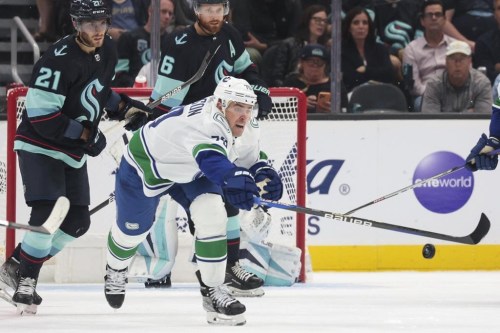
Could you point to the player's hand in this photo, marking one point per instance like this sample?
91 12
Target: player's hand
239 188
136 112
263 100
97 145
478 158
273 187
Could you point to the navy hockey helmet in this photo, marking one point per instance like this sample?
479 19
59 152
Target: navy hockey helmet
89 10
198 3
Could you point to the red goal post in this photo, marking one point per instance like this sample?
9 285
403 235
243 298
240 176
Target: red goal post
283 138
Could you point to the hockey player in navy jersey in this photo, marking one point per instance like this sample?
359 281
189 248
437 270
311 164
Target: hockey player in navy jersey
202 154
181 58
69 89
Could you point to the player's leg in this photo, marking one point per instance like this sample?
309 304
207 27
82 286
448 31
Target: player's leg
134 219
209 216
239 281
44 180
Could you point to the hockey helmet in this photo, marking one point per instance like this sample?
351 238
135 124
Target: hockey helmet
89 10
231 89
198 3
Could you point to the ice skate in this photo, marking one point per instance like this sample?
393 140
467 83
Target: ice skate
115 282
8 285
161 283
24 296
221 307
241 283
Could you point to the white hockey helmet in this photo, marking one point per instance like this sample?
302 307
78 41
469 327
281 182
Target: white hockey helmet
231 89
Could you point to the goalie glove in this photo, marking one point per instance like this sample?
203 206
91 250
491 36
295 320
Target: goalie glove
478 158
256 223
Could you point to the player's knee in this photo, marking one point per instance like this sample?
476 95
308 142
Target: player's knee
77 222
209 215
40 212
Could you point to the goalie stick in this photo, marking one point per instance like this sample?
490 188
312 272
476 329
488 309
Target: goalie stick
417 184
50 225
473 238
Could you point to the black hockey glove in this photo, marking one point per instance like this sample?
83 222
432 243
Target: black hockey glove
239 188
96 146
263 100
136 112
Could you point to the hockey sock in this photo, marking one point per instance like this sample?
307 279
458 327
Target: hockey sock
34 251
59 241
233 240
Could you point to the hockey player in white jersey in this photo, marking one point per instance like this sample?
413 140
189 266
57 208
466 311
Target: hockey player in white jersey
201 154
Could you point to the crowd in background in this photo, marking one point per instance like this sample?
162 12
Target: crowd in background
443 55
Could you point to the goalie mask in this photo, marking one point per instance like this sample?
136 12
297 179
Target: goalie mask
197 5
231 89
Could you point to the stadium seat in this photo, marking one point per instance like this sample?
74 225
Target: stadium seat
377 97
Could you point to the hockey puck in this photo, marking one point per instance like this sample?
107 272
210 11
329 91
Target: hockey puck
428 251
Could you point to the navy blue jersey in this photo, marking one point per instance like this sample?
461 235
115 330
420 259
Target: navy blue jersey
183 54
68 88
134 51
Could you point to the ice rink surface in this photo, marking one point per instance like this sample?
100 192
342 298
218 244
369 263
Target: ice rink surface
330 302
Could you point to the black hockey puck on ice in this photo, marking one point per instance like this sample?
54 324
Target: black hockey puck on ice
428 251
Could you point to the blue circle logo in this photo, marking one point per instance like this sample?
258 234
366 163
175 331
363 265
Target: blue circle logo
446 194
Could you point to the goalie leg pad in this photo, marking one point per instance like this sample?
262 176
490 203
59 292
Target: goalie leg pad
210 220
284 266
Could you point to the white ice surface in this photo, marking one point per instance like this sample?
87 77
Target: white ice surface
330 302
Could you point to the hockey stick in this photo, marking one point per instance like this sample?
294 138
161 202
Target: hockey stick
404 189
475 237
103 204
50 225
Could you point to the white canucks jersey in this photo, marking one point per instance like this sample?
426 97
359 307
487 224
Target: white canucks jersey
189 142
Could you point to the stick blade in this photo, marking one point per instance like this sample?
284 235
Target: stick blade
481 230
57 215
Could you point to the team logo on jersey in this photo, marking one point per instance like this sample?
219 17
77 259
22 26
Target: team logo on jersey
219 117
89 99
142 44
180 40
224 69
146 56
59 52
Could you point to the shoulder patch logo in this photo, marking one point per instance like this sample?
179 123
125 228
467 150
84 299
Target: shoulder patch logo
59 52
180 40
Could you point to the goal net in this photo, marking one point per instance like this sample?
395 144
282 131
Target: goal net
283 138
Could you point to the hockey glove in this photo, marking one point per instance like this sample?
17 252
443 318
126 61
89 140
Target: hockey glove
239 188
478 158
136 112
263 100
96 146
272 188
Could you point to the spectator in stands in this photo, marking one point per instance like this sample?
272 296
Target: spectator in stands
487 52
263 23
133 46
468 19
426 56
363 59
312 78
183 15
284 57
460 88
127 15
46 27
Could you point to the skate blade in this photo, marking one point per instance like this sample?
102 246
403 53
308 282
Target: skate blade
26 310
215 318
6 296
257 292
